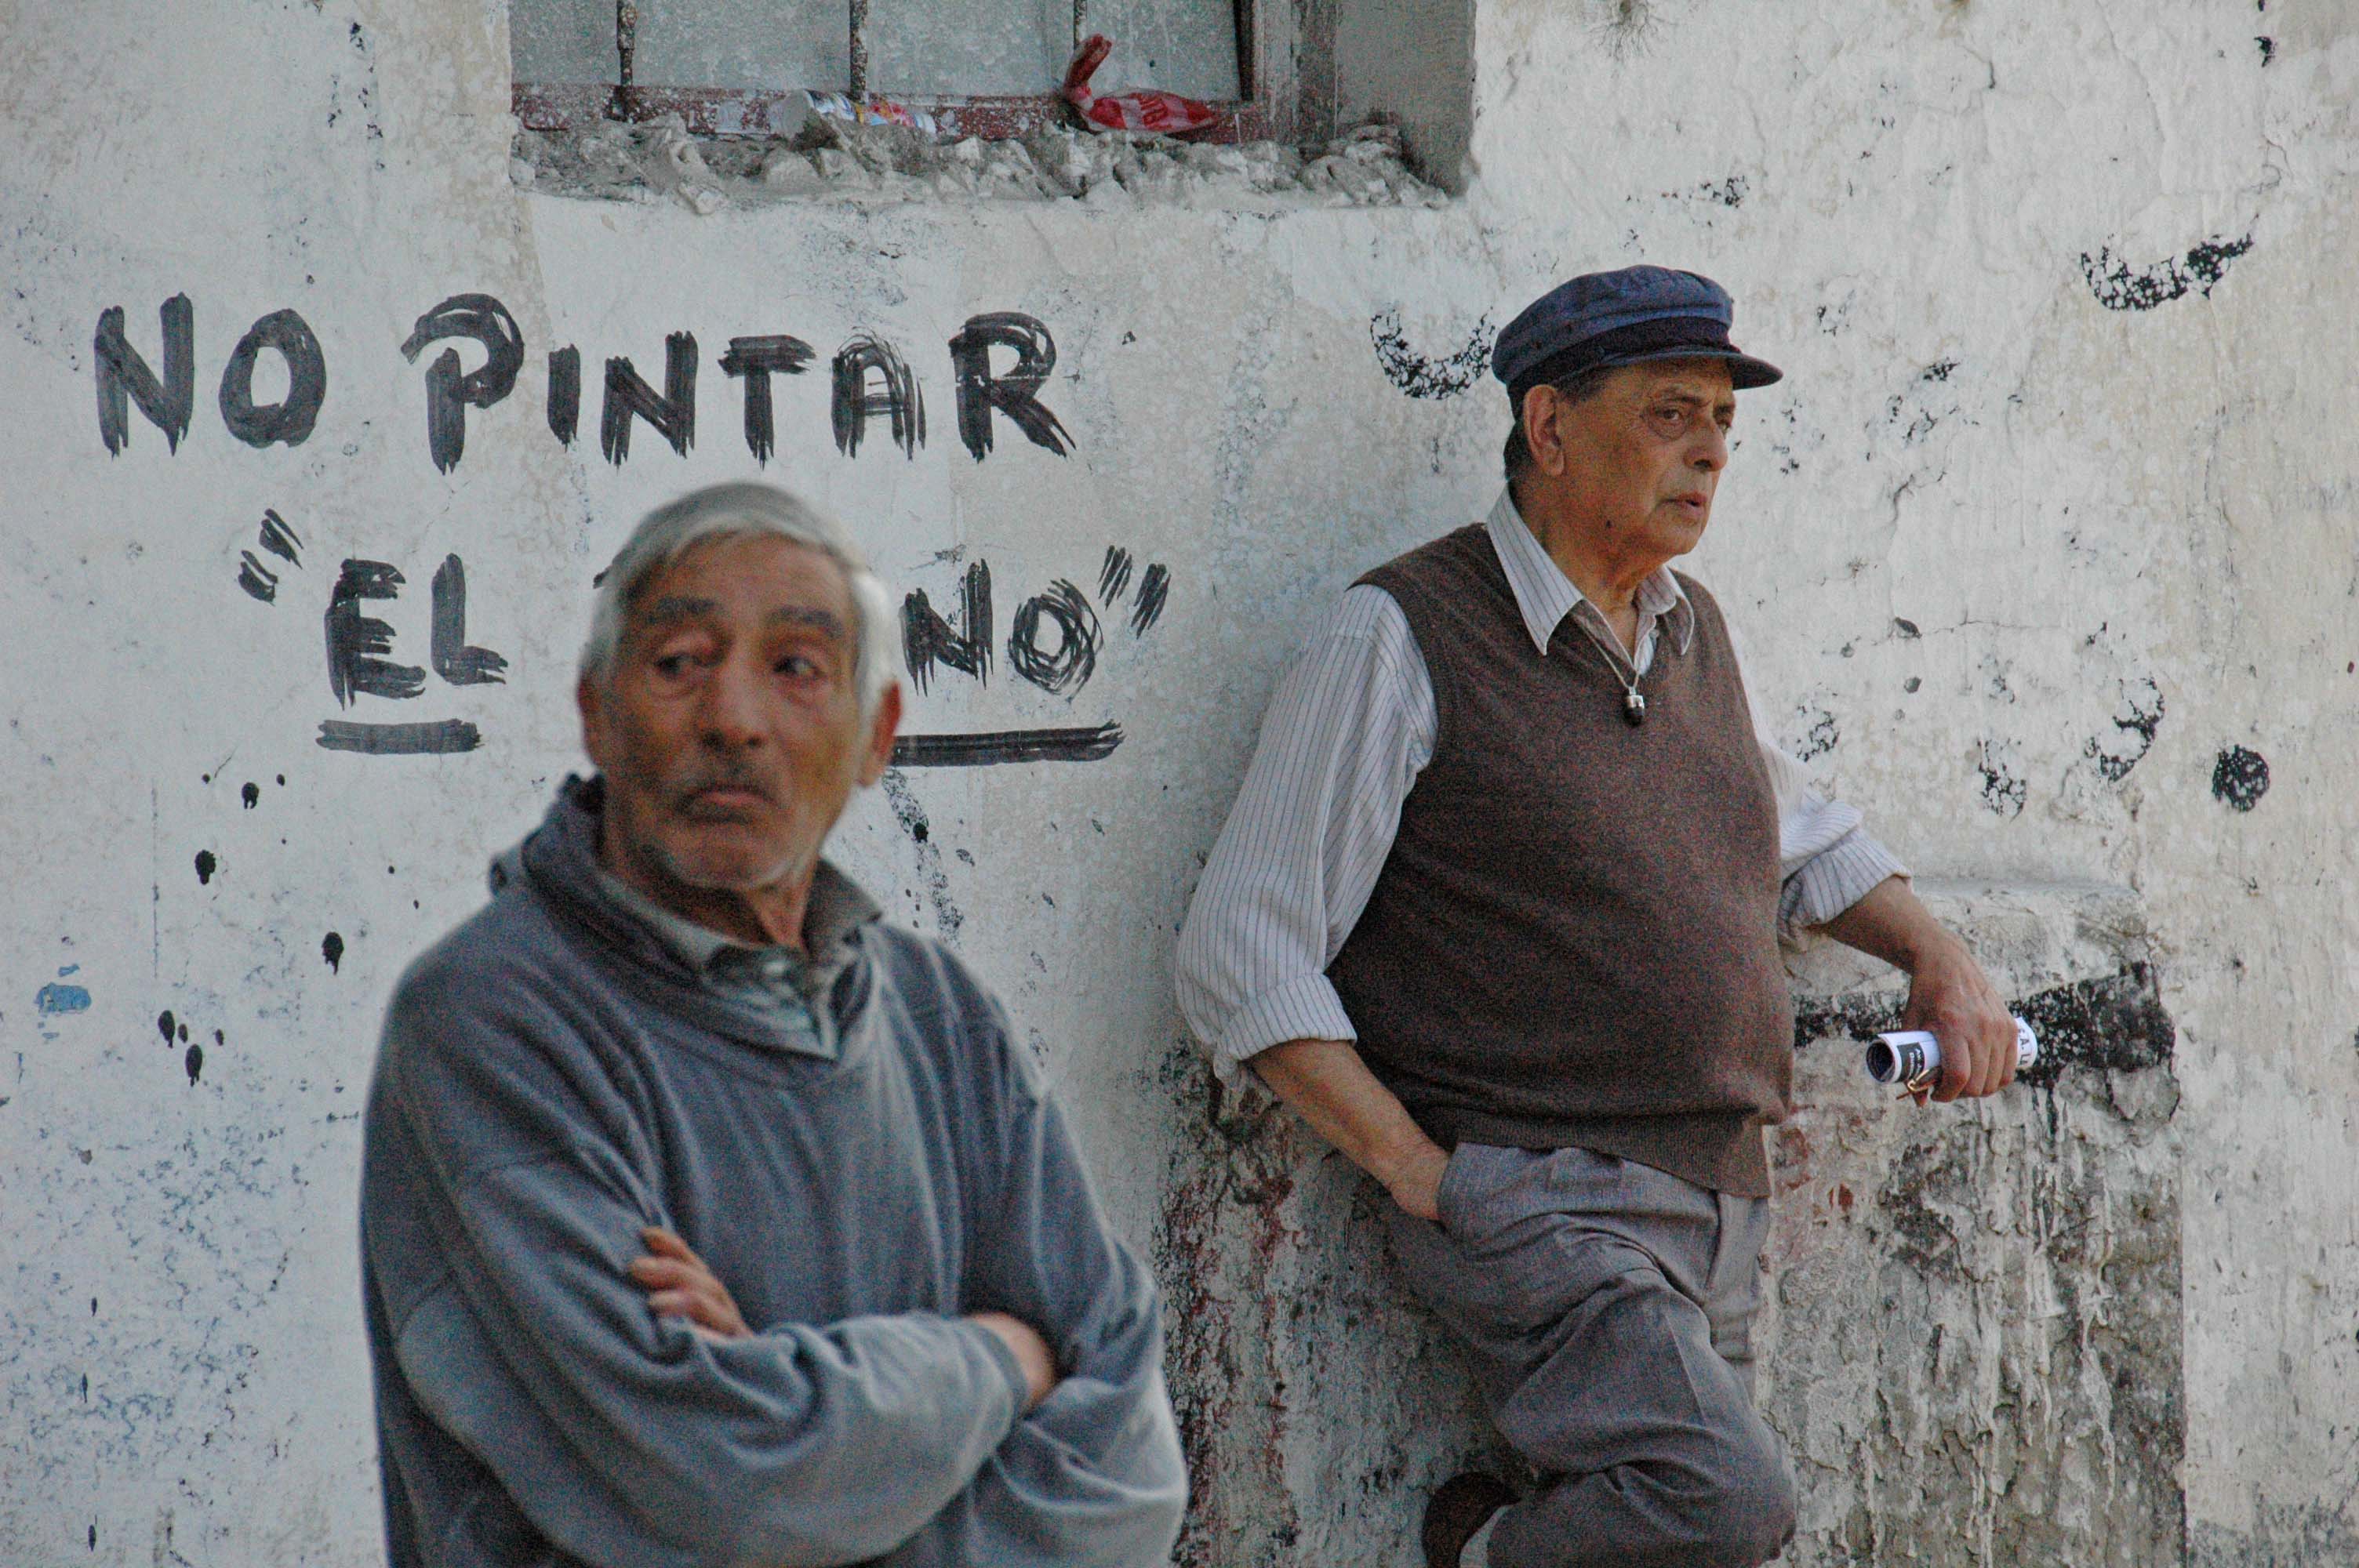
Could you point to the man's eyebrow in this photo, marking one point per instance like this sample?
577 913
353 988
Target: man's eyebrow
676 607
825 621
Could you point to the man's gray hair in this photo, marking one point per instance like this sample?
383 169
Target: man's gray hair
743 509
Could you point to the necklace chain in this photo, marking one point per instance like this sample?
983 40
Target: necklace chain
1634 703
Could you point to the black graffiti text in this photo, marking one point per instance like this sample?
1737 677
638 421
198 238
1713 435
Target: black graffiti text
999 362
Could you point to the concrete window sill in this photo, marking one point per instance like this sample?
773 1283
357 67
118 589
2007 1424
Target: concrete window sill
829 161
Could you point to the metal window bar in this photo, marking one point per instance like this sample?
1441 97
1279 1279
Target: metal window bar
627 45
547 106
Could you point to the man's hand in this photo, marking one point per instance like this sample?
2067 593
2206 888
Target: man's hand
1329 1086
1950 995
1948 992
680 1285
1031 1354
1414 1179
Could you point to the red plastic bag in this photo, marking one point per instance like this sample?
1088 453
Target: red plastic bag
1165 112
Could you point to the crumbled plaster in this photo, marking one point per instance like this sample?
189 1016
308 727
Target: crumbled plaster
833 160
1971 1339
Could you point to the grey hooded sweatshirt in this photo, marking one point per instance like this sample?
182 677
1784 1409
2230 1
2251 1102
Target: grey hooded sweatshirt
553 1078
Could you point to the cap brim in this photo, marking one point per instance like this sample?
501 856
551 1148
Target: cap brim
1745 372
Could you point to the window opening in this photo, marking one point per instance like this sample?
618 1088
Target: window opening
974 68
1395 76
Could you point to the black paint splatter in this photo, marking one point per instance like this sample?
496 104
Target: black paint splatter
250 796
989 748
2143 718
1067 666
2116 1024
1418 376
1728 193
2240 777
164 1025
1905 628
2002 792
206 866
2112 1023
928 639
2119 288
1016 392
331 947
912 818
2268 50
194 1061
440 737
1823 735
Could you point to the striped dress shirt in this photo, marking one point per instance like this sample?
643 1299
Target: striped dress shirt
1347 733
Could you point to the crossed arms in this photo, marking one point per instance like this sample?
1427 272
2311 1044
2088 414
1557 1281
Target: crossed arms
686 1436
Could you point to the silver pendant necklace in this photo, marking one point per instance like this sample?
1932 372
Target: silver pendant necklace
1634 705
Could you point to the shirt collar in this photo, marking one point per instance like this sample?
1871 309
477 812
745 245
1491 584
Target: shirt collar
1545 595
837 907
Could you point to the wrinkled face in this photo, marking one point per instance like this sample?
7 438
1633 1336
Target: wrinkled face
728 728
1642 455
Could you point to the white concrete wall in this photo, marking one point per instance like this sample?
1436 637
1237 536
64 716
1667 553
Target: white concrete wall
2082 514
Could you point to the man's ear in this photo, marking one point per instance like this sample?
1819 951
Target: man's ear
590 701
1539 415
882 728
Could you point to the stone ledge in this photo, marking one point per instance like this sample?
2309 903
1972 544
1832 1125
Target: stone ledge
880 165
2073 958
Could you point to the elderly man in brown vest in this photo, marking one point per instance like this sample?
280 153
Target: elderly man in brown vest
1499 910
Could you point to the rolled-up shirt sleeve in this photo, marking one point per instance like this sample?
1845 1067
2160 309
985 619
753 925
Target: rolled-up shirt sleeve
1346 734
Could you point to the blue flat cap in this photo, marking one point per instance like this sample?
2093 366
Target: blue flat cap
1604 319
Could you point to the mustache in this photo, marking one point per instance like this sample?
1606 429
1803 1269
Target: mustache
718 775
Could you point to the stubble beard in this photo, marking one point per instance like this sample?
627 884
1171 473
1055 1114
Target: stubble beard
684 872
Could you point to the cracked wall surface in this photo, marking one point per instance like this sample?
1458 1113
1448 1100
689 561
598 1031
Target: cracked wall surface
2043 555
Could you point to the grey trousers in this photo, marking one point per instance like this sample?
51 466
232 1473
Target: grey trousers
1607 1308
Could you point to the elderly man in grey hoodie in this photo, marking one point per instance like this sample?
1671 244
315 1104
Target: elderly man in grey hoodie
706 1220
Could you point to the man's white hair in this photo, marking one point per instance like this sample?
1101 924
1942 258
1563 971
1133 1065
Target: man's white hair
743 509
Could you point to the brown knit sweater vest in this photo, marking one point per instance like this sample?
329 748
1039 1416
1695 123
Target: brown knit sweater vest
1573 941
